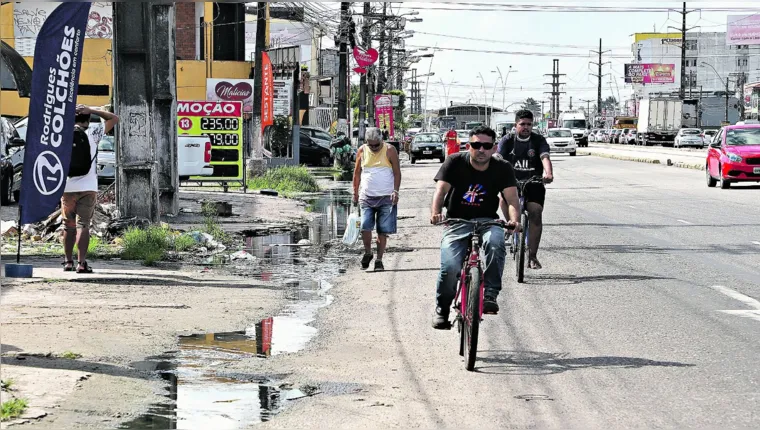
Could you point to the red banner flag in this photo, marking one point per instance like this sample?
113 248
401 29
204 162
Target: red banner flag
267 92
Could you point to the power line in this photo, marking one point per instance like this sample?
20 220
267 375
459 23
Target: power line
490 7
546 45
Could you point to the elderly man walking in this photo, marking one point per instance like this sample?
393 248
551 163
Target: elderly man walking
377 178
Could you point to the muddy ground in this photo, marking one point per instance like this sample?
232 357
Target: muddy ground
89 351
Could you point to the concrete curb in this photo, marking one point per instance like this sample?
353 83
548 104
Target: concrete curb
678 164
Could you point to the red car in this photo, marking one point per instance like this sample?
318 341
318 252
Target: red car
734 156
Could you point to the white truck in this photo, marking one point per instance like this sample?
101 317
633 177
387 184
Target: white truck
661 118
576 121
500 120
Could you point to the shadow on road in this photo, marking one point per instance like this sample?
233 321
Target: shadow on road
78 365
573 279
548 363
649 249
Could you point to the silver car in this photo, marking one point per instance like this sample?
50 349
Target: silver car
689 137
106 160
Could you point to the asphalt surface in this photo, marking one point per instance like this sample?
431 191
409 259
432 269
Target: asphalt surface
623 328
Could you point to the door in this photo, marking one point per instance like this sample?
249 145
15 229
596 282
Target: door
713 154
308 150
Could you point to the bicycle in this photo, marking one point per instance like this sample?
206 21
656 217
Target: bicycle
519 240
468 301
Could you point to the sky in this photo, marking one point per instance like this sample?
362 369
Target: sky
550 33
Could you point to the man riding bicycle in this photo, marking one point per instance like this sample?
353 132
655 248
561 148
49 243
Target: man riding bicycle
470 185
529 154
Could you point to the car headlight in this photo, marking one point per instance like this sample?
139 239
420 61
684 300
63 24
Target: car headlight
585 133
733 157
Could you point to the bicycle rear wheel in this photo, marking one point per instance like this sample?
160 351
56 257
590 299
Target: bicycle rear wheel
472 319
521 245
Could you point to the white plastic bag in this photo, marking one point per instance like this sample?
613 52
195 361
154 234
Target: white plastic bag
353 228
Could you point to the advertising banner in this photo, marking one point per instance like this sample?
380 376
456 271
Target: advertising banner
231 90
650 73
743 30
281 97
384 112
222 122
55 83
30 17
267 90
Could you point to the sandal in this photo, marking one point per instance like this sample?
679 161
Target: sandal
84 268
68 266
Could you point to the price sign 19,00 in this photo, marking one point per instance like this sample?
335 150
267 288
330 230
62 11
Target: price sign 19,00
222 122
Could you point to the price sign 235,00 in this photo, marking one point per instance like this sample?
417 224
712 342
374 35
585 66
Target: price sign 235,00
222 122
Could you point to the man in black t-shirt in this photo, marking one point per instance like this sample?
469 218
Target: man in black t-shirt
473 186
529 154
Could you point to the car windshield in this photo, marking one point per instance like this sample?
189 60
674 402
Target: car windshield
106 144
427 138
691 131
463 135
560 133
322 135
743 137
574 123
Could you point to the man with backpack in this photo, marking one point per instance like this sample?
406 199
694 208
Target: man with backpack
81 192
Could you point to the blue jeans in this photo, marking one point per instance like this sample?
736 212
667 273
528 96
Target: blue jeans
383 216
454 244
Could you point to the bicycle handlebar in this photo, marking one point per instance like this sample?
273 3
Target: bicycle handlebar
497 222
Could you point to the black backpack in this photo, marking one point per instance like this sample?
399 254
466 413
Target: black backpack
81 161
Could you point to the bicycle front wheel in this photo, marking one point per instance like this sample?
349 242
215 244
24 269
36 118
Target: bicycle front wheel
521 245
472 319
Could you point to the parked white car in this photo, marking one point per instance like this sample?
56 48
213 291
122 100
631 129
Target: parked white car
689 137
561 141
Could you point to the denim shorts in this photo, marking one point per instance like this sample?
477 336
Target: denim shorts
384 216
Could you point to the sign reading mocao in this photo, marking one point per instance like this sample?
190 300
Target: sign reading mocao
650 73
222 122
743 30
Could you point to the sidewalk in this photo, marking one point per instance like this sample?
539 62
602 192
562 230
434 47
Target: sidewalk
684 158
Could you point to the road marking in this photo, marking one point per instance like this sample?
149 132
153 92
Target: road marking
682 221
632 207
748 301
756 243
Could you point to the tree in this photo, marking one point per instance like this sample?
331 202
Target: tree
354 96
532 105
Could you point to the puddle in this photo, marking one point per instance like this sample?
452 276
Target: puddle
202 395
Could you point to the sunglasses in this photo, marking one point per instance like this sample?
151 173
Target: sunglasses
485 145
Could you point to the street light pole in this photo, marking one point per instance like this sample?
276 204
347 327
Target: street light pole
722 82
485 99
427 83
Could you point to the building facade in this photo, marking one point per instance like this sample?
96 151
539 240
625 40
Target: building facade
739 64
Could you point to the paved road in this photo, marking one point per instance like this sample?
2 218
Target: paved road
645 316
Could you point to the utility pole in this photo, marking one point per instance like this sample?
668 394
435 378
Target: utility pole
683 30
555 92
391 68
599 76
727 80
256 151
366 43
571 102
343 67
381 58
588 106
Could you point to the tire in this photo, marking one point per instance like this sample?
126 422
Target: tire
472 320
5 191
711 182
414 160
724 183
572 154
520 257
325 161
441 160
17 196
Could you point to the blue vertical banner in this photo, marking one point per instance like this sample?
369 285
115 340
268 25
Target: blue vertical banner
50 131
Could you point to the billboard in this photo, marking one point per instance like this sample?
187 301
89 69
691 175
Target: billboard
384 112
743 30
649 73
231 90
222 122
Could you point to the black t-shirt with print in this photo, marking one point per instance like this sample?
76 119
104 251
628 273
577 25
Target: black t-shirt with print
524 156
474 193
